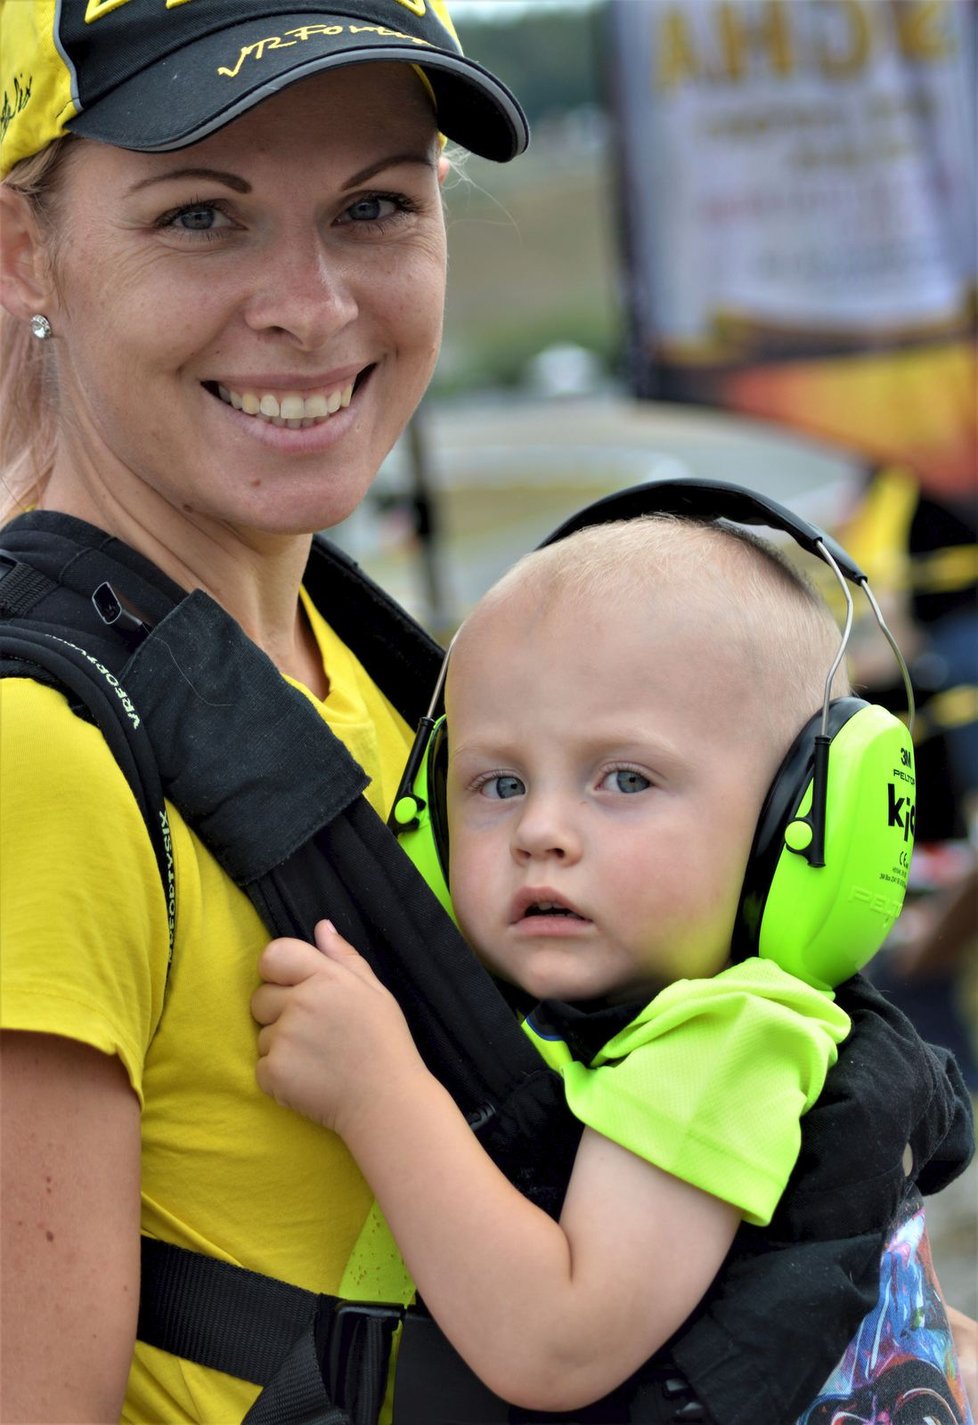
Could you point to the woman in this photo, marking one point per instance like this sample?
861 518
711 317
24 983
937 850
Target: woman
224 262
259 267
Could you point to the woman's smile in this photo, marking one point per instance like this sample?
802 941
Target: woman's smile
273 410
294 409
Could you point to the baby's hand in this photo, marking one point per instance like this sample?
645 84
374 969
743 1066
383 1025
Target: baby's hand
332 1035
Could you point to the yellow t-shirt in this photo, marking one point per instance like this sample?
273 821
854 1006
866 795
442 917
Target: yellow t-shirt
225 1170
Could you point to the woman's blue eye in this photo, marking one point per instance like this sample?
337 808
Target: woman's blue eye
208 219
372 210
623 779
503 787
196 219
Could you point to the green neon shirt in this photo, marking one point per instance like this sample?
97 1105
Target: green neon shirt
711 1079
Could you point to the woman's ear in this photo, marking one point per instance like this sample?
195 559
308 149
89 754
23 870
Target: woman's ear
444 169
25 277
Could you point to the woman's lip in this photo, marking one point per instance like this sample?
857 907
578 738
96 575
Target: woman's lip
288 407
293 413
266 381
293 437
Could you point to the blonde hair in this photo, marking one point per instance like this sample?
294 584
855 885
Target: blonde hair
27 396
763 608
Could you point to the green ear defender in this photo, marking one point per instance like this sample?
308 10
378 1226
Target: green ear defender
829 863
823 917
418 817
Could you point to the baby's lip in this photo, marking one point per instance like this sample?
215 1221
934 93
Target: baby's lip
539 901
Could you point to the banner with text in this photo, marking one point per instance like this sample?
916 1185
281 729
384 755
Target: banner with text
798 191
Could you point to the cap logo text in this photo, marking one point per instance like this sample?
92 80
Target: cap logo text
14 102
96 9
258 49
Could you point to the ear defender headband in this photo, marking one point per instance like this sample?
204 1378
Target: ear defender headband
828 867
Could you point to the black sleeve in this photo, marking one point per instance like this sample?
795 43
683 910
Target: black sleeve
790 1296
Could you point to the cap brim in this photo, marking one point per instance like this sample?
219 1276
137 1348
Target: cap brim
179 99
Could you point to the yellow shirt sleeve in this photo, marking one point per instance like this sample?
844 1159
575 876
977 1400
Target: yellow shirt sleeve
71 835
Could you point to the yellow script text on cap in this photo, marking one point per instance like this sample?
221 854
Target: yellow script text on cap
37 97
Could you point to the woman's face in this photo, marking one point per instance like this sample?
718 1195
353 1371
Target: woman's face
245 326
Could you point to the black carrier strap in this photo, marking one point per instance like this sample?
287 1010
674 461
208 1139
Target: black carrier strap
324 1361
265 1331
97 693
320 1359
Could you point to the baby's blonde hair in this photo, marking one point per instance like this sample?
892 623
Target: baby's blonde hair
763 608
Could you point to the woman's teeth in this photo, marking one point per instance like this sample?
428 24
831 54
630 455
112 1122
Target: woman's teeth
292 409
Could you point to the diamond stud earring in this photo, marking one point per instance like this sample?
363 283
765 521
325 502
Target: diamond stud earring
41 327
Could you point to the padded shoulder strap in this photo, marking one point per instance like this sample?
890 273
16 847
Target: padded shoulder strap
50 632
62 560
296 834
99 696
69 559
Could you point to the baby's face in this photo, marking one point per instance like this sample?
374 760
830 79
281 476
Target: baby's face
603 788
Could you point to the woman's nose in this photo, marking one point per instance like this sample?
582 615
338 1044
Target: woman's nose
304 291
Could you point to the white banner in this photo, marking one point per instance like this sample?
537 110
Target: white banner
798 175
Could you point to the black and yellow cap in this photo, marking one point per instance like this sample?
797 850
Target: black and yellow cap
156 75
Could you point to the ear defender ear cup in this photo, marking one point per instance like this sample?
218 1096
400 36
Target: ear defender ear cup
824 922
419 818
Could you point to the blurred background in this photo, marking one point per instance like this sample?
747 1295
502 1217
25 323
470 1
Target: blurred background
742 247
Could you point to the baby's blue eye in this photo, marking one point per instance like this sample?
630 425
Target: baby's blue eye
623 779
503 787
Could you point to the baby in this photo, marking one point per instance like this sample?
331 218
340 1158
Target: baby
618 706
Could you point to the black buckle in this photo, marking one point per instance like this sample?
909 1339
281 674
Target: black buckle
357 1355
115 610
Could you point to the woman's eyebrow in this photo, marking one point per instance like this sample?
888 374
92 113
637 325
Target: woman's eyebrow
365 174
230 180
241 185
